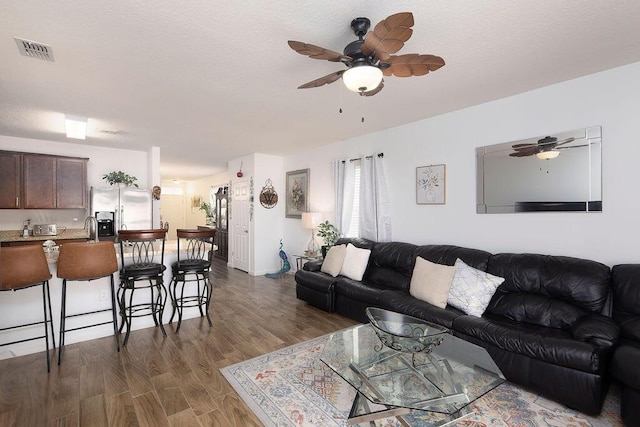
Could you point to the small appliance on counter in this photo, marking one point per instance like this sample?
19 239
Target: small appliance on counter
106 223
45 230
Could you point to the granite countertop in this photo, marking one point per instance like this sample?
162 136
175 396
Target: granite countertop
69 233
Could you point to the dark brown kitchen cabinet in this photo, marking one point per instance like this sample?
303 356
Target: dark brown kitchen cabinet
10 180
39 181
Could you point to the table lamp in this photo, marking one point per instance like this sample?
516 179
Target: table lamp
311 220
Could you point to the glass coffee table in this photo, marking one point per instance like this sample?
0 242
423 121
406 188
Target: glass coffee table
439 380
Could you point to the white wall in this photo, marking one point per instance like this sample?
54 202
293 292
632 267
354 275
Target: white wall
609 99
102 160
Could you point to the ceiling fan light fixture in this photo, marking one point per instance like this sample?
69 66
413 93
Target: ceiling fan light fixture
547 155
362 78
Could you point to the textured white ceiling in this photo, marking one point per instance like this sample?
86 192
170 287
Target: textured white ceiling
209 81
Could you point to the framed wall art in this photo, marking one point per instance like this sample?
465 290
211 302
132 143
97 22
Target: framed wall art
297 200
431 185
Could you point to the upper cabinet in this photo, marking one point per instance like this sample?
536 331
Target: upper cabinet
37 181
10 180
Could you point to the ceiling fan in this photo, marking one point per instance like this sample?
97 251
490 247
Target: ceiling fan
545 149
371 56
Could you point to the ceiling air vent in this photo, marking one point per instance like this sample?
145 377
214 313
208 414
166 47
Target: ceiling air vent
34 49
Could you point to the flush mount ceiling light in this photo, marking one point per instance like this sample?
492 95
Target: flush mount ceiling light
547 155
75 126
363 78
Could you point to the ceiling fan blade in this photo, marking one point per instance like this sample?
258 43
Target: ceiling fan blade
374 91
524 145
329 78
525 151
412 64
566 141
389 35
317 52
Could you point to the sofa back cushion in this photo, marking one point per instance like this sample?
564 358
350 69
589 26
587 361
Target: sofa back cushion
545 290
356 241
625 280
391 265
448 254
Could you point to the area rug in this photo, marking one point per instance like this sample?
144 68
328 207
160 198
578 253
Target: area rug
292 387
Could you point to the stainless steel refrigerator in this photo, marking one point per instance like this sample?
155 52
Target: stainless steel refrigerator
128 208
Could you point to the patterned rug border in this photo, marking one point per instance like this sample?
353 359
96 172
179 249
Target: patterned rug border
274 368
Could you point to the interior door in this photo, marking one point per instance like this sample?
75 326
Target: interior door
240 218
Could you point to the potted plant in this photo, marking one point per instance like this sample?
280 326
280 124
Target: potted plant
120 178
208 212
329 233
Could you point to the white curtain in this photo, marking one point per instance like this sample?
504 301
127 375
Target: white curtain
344 180
375 206
374 212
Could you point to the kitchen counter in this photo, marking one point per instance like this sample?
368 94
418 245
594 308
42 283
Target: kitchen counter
69 233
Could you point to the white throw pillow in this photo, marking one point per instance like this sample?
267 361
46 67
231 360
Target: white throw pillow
430 282
332 263
472 289
355 262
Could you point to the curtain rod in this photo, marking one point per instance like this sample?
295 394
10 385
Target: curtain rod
381 155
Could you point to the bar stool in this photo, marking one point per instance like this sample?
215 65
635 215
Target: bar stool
22 267
144 271
193 265
85 262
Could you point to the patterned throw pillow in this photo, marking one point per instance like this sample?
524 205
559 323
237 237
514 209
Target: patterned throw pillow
333 261
472 289
355 262
430 282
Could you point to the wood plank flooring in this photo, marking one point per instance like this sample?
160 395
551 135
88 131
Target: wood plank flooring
158 381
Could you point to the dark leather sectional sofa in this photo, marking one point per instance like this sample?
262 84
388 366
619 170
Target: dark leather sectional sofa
548 326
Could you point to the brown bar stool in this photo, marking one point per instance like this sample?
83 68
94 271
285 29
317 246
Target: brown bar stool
142 268
22 267
85 262
193 265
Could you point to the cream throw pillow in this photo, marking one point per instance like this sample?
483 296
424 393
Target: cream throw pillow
430 282
472 289
332 263
355 262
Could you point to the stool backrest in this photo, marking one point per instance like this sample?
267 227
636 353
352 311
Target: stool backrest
196 244
141 245
86 261
22 266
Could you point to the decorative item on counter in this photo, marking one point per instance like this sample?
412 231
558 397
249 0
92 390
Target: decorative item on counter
268 196
209 212
156 192
239 174
120 178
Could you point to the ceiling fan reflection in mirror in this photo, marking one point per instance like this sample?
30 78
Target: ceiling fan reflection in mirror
371 57
545 149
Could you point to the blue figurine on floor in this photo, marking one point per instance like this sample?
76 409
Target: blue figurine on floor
285 265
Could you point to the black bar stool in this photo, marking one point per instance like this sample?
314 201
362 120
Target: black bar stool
22 267
193 265
142 268
86 262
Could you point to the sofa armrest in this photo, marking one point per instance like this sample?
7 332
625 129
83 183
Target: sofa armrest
596 329
312 265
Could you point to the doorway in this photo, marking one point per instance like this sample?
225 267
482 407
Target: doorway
240 234
172 212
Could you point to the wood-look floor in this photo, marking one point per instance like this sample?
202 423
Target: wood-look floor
158 381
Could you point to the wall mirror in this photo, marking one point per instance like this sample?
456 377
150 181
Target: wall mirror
558 172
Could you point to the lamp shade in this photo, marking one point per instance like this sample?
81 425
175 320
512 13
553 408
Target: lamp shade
311 220
75 126
546 155
362 78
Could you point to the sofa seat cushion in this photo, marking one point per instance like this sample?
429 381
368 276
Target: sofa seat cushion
404 303
317 281
550 345
359 291
625 365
